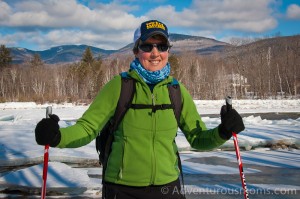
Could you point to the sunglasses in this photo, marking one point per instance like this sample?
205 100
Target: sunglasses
149 47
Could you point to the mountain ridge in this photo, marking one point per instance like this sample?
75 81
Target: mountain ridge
180 43
73 53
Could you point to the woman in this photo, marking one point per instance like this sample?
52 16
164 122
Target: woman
143 160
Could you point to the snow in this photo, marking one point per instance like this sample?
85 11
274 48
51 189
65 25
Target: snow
18 148
31 176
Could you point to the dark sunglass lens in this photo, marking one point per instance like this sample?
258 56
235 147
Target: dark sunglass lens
162 47
149 47
146 47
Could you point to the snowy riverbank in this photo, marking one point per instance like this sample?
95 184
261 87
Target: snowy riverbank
18 148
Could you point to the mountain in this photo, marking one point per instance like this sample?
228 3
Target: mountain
200 45
276 43
59 54
73 53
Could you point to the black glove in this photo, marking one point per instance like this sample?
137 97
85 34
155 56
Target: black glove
231 121
47 131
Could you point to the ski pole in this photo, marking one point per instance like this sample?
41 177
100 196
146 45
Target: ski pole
237 151
46 157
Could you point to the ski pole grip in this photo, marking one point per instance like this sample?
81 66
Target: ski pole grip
228 101
48 111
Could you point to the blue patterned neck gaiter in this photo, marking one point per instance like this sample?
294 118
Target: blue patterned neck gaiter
150 77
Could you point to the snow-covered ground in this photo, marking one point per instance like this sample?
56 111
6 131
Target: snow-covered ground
18 148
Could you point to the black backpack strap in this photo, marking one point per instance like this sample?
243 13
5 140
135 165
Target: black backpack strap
175 97
180 169
153 107
176 101
125 99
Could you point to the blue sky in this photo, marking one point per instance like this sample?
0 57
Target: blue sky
42 24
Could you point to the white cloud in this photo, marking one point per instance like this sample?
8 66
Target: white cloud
293 11
12 40
8 40
110 26
250 16
69 13
63 37
54 22
5 11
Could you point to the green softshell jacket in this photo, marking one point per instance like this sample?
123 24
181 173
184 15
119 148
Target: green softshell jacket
143 151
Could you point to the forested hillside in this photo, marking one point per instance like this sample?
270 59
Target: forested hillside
259 69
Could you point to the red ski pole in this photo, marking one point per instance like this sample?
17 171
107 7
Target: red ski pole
46 157
237 151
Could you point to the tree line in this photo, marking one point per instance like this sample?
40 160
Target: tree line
260 70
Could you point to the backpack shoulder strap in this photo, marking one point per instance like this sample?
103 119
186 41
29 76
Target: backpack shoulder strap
125 99
175 97
124 102
176 101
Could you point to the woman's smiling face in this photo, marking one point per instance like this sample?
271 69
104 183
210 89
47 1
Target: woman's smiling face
154 60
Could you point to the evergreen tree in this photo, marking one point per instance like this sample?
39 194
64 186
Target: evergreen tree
88 56
36 61
5 57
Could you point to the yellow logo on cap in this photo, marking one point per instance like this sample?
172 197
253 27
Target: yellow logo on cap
155 25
